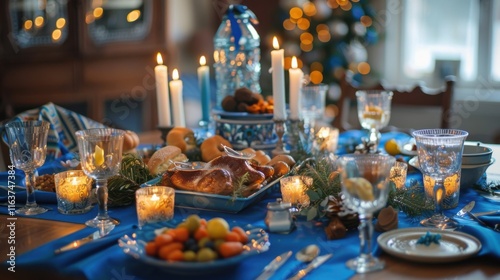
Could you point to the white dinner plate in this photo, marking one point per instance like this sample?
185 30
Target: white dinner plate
453 246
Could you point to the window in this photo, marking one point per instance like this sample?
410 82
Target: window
434 38
495 65
445 37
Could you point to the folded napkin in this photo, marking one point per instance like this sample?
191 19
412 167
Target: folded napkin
63 125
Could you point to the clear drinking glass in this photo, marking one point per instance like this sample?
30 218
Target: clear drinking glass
101 156
365 188
28 146
374 112
440 156
312 105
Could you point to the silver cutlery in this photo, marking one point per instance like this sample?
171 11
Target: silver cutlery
475 218
467 208
487 213
78 243
276 263
314 264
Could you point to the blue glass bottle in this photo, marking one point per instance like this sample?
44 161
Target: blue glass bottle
236 53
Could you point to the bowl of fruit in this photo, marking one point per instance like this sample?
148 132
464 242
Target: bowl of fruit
195 245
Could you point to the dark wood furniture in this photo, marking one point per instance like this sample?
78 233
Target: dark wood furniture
110 81
418 96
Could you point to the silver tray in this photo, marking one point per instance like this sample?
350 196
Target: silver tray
215 202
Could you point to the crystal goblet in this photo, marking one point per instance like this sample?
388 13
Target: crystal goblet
101 155
28 146
365 188
374 112
440 157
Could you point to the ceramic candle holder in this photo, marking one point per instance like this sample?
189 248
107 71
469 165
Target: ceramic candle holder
398 174
73 191
293 190
154 204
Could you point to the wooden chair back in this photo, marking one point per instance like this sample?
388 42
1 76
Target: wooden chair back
418 96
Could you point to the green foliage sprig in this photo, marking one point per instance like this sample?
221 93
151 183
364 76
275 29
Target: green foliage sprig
122 187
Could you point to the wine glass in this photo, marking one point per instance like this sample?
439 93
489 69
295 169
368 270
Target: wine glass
365 188
28 145
374 112
440 157
101 156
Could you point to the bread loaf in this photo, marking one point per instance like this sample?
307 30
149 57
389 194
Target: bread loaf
162 159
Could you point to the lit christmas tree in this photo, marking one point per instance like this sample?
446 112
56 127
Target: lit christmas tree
329 37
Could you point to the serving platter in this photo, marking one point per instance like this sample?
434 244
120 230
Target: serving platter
453 245
134 246
215 202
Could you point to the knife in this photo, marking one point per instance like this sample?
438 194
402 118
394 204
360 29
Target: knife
314 264
467 208
78 243
276 263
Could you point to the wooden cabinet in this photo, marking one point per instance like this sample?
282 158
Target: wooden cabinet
101 65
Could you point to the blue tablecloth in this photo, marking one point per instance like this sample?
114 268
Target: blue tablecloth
104 259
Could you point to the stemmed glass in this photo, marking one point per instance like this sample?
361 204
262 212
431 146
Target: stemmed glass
440 157
28 145
365 188
374 112
101 156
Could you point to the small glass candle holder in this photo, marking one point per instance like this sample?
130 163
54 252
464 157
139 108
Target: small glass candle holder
73 192
398 174
293 190
326 140
154 204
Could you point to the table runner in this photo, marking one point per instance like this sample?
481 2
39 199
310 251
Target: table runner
104 259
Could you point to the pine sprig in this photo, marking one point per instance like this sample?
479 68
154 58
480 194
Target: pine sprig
411 200
122 187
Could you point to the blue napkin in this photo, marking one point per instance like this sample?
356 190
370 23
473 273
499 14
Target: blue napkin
63 125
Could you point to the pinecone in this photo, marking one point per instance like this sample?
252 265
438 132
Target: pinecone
336 208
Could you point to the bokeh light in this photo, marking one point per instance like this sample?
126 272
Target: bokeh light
364 68
133 15
288 25
60 23
306 38
324 36
316 66
316 77
56 35
306 47
303 23
28 24
296 13
39 21
98 12
366 21
309 8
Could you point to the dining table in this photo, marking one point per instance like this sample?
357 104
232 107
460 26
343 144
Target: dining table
28 243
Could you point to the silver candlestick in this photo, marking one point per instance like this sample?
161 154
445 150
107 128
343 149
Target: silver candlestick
279 128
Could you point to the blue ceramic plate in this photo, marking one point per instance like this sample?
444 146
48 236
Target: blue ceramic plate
241 115
134 246
215 202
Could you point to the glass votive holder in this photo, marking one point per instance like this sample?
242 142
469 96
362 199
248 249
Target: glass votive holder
293 190
326 140
154 204
398 174
73 192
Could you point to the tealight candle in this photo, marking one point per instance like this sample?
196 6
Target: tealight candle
327 139
451 187
162 96
73 192
154 204
398 174
277 64
293 190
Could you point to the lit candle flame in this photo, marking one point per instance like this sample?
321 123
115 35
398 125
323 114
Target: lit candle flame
203 60
175 74
294 63
155 197
276 45
159 59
